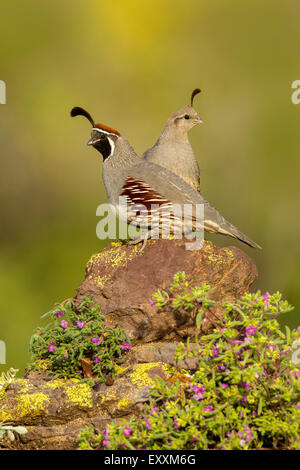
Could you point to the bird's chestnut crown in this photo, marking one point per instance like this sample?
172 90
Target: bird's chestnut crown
103 138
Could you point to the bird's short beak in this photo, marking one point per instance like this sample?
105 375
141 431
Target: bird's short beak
90 142
197 120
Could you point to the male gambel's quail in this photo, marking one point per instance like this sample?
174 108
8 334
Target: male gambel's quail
173 149
141 182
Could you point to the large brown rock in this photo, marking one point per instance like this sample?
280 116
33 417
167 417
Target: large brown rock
122 280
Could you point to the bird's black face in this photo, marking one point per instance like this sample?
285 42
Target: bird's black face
103 142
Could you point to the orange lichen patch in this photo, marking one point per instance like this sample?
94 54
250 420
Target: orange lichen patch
107 129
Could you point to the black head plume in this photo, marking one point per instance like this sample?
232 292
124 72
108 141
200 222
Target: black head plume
77 111
195 92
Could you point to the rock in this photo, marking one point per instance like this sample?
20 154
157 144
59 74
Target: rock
54 411
122 281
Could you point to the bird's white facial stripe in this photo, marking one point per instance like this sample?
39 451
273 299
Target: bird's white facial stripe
112 146
100 130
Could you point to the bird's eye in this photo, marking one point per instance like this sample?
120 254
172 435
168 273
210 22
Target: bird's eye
186 116
103 136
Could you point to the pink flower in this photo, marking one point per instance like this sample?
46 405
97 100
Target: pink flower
266 299
247 385
298 329
127 431
51 346
106 442
208 408
175 423
59 314
147 423
224 385
96 360
64 324
152 302
80 324
96 340
125 347
248 340
251 330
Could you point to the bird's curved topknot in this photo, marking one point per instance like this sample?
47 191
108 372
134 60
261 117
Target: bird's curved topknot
194 93
77 111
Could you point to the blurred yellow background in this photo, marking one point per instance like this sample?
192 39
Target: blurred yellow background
131 64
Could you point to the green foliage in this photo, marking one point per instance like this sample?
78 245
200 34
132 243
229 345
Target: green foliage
245 393
78 343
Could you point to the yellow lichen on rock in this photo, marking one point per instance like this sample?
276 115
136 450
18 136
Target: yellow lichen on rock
54 384
139 375
124 403
80 394
25 404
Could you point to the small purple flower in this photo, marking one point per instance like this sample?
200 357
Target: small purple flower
51 346
248 436
106 442
80 324
247 385
197 389
221 330
106 431
296 374
215 352
147 423
251 330
127 431
96 360
221 367
64 324
297 407
266 299
224 385
154 410
208 408
152 302
244 399
298 329
96 340
236 341
248 339
58 314
286 351
175 423
125 347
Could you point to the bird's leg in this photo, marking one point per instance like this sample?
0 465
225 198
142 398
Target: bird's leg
141 238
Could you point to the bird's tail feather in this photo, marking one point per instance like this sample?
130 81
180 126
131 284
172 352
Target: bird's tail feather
214 222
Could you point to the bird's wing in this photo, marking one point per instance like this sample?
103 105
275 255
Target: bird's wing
148 183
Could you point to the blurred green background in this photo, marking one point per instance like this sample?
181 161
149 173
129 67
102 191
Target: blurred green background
132 64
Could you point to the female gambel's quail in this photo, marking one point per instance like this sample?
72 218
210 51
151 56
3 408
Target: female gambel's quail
157 190
173 149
